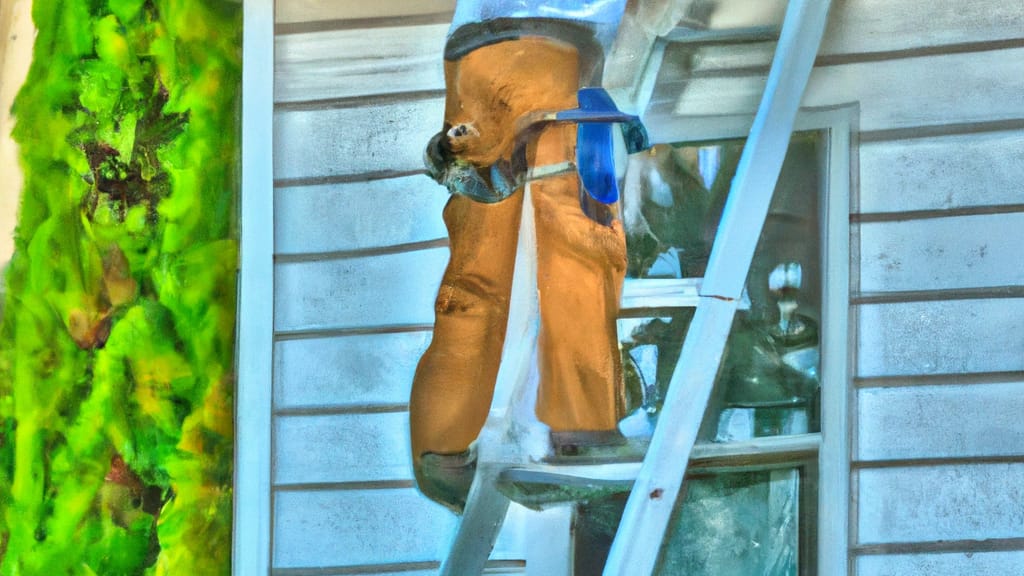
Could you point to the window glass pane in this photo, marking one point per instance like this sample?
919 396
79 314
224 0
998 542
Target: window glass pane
768 382
725 523
736 524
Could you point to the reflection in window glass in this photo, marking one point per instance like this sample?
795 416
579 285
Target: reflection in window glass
736 524
768 383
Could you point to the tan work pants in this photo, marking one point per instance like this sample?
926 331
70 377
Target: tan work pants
581 263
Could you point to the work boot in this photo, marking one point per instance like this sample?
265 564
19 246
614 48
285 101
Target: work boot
447 478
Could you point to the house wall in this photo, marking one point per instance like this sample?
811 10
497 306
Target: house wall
937 276
359 251
937 283
937 279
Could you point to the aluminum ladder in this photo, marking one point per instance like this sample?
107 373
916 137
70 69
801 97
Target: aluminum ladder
511 439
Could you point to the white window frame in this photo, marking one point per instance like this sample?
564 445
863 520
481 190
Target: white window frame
832 443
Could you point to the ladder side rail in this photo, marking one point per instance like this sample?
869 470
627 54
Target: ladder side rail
641 532
503 441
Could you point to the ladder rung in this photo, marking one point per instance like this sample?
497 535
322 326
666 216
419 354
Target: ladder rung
646 293
538 486
543 484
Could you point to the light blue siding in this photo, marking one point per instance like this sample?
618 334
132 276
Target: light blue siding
370 291
358 215
959 563
337 448
373 138
346 371
941 421
942 173
941 337
934 503
942 253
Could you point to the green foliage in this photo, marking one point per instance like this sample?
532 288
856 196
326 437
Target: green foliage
116 346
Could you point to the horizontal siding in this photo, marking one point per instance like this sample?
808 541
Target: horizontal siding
350 293
942 253
407 58
942 173
291 11
341 448
326 204
334 131
940 421
346 371
353 528
929 504
319 529
943 337
958 564
915 92
902 93
871 27
371 60
358 215
884 25
380 138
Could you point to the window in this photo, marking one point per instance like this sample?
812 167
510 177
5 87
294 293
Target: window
765 493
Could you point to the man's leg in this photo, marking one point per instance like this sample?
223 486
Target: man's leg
581 265
454 381
488 90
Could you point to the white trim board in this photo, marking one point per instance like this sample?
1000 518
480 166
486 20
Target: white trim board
251 536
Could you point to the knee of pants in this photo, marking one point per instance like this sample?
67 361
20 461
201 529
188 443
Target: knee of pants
466 296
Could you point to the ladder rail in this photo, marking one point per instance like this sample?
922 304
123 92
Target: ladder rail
511 434
649 507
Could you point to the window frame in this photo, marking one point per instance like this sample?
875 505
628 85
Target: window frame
829 449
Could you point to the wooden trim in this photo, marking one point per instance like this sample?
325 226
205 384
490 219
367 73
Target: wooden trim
252 531
941 546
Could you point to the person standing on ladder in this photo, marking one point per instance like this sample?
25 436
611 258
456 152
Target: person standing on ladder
503 61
